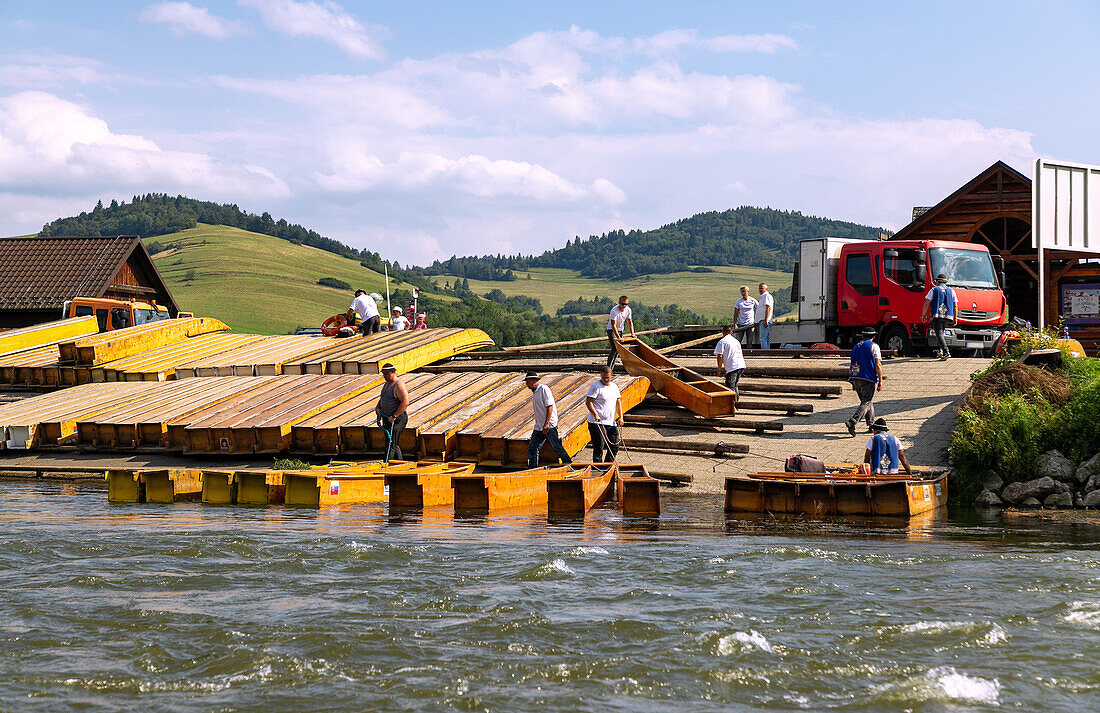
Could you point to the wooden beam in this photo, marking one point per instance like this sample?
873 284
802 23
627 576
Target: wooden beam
687 345
737 422
589 340
718 448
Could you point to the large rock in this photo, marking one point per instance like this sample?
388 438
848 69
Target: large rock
1093 483
987 498
1017 493
1031 503
1059 500
1092 500
1053 464
1060 487
1087 470
992 481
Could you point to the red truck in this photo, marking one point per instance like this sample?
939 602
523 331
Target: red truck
842 285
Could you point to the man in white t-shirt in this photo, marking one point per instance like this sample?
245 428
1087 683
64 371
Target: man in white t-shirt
546 421
621 317
605 416
764 308
745 309
364 306
731 360
398 322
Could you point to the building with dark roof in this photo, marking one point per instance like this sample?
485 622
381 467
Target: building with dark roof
37 275
994 209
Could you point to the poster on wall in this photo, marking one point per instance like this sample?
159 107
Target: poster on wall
1081 304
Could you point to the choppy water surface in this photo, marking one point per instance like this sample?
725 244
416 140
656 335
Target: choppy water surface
192 608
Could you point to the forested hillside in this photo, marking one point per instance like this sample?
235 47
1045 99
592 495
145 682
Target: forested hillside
756 237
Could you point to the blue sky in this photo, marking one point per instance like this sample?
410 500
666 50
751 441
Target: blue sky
425 129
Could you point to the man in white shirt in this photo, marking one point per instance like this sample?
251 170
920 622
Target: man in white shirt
398 322
731 360
621 317
364 306
605 416
546 421
764 308
745 308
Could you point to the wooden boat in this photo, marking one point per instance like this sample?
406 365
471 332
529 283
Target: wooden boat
526 488
838 492
688 388
576 494
153 486
426 487
362 483
637 492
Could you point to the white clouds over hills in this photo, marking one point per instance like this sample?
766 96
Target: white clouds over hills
513 148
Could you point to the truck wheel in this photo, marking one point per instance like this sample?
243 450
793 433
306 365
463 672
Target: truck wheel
896 339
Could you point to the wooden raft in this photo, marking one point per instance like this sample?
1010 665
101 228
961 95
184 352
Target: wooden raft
841 492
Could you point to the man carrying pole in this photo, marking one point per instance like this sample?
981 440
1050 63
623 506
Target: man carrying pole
391 411
605 416
546 421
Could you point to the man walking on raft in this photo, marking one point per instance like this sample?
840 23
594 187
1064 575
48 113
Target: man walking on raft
546 422
865 374
731 360
621 317
605 417
391 411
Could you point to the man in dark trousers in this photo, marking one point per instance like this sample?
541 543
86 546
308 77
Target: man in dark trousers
943 304
391 411
865 374
546 421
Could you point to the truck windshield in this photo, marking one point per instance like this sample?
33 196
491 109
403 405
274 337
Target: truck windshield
143 316
971 269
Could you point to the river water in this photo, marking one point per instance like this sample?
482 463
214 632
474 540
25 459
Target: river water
190 608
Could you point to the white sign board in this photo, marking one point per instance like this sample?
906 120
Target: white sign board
1065 207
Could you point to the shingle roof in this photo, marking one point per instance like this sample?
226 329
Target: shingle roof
41 273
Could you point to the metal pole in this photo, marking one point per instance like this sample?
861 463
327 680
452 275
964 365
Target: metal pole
1042 291
389 310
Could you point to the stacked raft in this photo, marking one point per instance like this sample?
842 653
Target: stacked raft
475 418
556 491
202 347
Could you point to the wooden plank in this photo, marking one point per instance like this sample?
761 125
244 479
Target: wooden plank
637 493
424 489
120 343
440 439
703 424
23 339
170 485
589 340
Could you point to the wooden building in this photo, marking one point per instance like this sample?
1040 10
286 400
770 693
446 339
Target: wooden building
37 275
994 209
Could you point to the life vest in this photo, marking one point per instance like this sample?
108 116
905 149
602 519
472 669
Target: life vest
884 454
943 302
863 362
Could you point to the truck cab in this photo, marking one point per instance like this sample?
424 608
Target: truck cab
116 314
884 284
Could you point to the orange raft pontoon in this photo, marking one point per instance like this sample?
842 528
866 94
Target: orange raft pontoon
688 388
841 491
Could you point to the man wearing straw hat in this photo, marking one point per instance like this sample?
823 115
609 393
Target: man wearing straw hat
883 452
546 421
391 411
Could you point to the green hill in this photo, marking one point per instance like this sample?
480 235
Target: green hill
258 283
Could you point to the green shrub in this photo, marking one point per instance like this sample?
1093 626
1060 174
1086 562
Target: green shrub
333 283
289 464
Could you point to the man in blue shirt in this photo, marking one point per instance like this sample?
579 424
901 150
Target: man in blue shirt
943 304
883 452
865 375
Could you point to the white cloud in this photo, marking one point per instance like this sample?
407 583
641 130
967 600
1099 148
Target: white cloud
48 144
326 21
763 44
41 70
184 19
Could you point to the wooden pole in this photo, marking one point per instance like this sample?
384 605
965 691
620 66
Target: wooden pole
588 340
702 423
686 345
664 444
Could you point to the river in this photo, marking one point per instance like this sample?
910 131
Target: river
191 608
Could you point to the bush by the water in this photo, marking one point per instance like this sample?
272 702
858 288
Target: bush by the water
1014 413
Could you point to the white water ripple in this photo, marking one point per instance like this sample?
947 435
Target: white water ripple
741 641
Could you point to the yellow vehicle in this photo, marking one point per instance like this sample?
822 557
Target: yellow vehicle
116 314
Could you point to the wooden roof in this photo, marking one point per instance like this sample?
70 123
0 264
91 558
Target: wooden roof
998 190
41 273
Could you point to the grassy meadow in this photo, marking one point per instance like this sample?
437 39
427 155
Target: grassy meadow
258 283
708 293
